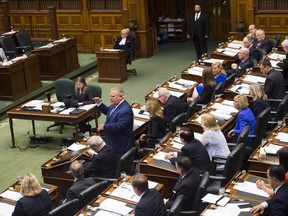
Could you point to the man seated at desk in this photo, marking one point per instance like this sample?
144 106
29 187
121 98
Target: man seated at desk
242 64
194 150
126 42
103 159
173 106
278 204
151 202
80 183
187 184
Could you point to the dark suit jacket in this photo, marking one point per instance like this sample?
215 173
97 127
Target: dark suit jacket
78 186
265 44
241 69
173 107
274 87
156 128
130 46
206 95
186 186
39 205
253 53
118 128
199 28
198 155
278 205
284 66
103 164
259 106
85 98
151 203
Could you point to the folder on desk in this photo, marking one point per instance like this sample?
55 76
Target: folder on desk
77 111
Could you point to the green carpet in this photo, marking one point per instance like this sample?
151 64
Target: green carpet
170 60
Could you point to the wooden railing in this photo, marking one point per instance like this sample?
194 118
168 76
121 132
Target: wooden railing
274 5
105 4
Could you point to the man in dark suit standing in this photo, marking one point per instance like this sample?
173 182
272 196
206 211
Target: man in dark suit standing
278 204
151 203
80 183
187 184
125 42
173 106
274 86
198 31
103 159
194 150
118 127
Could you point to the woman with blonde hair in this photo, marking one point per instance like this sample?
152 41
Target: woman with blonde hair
245 117
259 97
213 138
219 73
208 84
156 126
35 200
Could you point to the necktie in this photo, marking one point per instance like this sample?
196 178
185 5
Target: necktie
112 111
196 16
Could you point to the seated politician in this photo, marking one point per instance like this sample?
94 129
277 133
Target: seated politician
126 42
103 159
80 183
35 200
151 202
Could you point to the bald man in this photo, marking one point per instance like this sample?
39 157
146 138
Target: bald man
243 64
263 42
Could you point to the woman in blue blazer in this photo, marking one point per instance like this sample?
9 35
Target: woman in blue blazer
245 117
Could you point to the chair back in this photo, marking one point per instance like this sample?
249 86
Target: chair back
63 87
126 163
91 193
277 39
282 109
133 53
95 89
243 137
177 121
175 209
9 46
217 91
233 163
24 40
260 128
201 192
230 79
67 208
163 140
262 53
273 42
191 110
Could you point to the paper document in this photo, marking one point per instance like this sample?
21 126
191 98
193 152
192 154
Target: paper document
274 63
161 156
112 50
76 146
178 86
211 198
212 60
137 124
283 137
34 104
140 113
235 45
228 103
218 115
188 83
250 187
61 40
12 195
115 206
87 106
197 71
67 111
6 209
254 79
272 149
231 209
125 191
277 57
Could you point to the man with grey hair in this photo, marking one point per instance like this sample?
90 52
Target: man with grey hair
242 64
103 159
173 106
284 64
80 183
262 42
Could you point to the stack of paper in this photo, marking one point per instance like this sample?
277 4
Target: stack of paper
228 103
161 156
87 106
274 64
76 147
12 195
216 199
250 187
277 57
137 124
140 113
218 115
283 137
235 45
212 60
114 206
272 149
197 71
254 79
175 93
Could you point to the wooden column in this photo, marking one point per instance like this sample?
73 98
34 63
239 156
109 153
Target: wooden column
53 23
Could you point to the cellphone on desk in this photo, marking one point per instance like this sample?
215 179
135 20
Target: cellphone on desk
242 206
141 112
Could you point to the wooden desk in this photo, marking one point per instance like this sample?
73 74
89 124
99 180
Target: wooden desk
160 171
112 66
51 189
241 195
258 163
17 113
230 93
20 78
58 60
225 125
228 58
183 93
57 174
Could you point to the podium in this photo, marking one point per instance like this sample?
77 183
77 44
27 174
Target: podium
112 65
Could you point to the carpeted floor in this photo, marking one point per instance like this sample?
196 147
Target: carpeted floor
170 60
